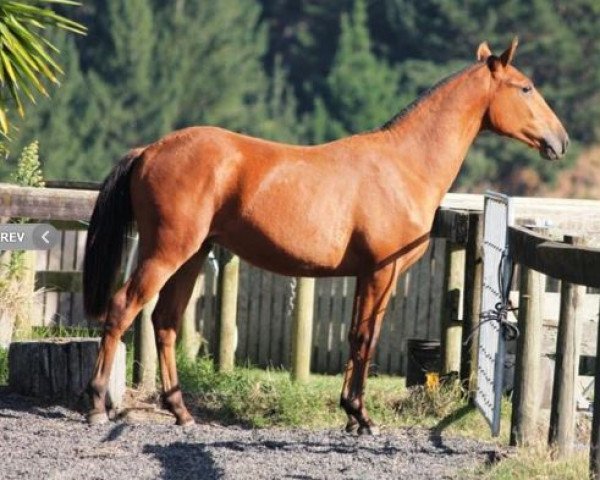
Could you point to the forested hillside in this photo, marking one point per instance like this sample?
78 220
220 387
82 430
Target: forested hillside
302 71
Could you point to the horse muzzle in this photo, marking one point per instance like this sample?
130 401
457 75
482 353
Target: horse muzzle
553 147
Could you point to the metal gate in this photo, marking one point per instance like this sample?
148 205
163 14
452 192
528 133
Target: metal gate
497 269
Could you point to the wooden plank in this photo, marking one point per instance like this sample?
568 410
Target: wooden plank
412 298
324 318
277 320
80 249
380 362
398 330
254 278
574 264
451 224
59 281
68 204
451 334
526 393
46 203
423 290
209 310
335 360
349 288
595 440
50 308
566 368
71 225
438 266
264 321
472 301
242 314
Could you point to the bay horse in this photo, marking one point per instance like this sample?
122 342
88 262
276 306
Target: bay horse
361 206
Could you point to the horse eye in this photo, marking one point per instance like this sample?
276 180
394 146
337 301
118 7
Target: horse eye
527 89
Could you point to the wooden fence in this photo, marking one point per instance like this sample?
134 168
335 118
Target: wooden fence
573 264
263 313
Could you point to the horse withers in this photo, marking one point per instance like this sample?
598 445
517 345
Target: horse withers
361 206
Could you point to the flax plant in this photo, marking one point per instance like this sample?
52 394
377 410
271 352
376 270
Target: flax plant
27 57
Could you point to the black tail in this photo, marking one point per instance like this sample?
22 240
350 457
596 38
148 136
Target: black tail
109 226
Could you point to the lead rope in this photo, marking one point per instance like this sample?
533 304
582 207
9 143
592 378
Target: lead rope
499 313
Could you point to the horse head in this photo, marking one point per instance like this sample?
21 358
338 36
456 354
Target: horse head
517 109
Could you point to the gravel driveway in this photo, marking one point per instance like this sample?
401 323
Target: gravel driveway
50 442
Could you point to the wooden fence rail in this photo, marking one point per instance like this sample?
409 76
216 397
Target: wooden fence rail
572 264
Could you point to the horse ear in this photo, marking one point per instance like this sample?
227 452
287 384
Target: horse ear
509 53
483 52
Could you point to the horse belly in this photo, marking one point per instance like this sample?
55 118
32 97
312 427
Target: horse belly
291 238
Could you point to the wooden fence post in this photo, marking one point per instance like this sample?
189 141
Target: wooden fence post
450 323
145 357
189 338
228 330
525 401
562 412
472 301
595 443
302 329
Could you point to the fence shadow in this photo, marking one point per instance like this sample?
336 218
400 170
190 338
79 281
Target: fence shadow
184 461
435 433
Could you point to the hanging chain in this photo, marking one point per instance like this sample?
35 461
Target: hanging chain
292 298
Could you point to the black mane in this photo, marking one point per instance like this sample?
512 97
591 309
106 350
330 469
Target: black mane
412 105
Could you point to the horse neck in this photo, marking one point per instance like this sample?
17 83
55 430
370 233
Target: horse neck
435 135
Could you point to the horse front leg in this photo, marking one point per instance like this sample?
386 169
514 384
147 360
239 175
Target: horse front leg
372 294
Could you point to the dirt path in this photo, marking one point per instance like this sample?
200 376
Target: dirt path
52 442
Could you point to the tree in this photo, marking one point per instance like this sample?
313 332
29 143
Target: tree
25 58
147 68
360 87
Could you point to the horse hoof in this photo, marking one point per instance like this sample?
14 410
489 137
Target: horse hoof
371 430
97 418
351 427
186 422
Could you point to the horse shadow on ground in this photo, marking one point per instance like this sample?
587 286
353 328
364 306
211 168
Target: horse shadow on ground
436 439
184 461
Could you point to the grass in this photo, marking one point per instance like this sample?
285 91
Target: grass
3 366
268 398
538 463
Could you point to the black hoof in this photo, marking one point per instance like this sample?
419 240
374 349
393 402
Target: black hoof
351 426
369 429
97 418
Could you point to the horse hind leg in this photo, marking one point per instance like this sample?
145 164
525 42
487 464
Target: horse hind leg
166 318
146 281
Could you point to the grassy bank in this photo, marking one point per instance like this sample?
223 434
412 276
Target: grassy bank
266 398
538 463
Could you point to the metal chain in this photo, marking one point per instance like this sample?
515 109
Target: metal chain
292 298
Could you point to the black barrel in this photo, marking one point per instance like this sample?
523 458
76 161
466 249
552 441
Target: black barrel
423 356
